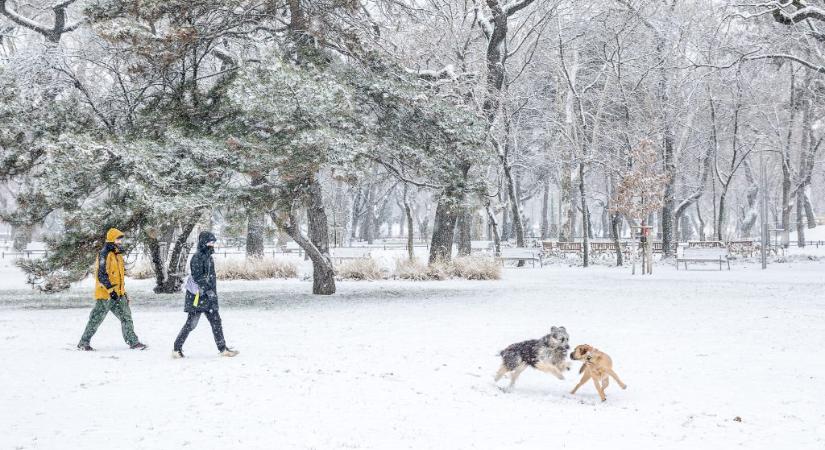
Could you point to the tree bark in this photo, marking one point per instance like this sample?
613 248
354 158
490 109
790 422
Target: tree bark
615 223
585 219
169 274
751 197
323 273
545 209
493 227
567 230
446 213
409 217
463 226
800 219
786 166
255 228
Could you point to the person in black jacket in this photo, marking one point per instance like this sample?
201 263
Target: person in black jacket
205 300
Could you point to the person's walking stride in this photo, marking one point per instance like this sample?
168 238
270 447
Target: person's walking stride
110 294
201 297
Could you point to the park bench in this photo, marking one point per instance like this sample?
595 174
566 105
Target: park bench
520 254
605 247
568 247
481 246
703 254
743 248
340 254
658 246
293 247
705 244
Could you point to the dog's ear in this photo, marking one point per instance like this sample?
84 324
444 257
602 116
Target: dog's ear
562 329
553 329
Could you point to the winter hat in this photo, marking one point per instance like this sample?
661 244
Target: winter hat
113 234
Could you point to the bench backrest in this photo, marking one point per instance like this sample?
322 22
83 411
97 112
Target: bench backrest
350 252
705 253
603 246
569 246
705 244
517 253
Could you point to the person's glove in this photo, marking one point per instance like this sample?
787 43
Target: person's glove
113 296
211 295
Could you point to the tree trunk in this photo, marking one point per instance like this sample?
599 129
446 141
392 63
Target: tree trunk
512 193
441 246
786 166
493 227
169 274
701 227
568 209
409 217
368 224
255 235
585 219
323 273
800 219
720 221
356 214
751 197
545 209
615 222
463 225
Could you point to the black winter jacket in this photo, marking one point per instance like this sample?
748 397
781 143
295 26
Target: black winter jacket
202 269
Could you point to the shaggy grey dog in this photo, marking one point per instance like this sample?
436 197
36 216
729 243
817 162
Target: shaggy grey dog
548 354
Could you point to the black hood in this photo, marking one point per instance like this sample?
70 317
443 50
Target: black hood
203 239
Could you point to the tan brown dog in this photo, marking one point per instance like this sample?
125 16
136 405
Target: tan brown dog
596 365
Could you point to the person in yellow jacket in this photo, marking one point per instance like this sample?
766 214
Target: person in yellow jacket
110 293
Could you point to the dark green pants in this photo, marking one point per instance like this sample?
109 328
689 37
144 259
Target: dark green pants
120 308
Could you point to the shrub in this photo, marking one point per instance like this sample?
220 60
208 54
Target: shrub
411 270
476 268
360 269
254 269
467 267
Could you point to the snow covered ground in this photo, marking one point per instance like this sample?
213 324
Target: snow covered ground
397 364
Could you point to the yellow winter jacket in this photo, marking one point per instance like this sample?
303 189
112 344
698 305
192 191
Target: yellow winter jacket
110 271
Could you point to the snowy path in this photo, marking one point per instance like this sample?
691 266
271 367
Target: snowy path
409 365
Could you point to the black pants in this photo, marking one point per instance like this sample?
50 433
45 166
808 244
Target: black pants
192 321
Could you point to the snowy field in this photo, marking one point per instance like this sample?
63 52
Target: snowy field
397 364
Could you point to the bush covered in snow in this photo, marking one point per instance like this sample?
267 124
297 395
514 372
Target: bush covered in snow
476 268
467 267
407 269
361 269
254 269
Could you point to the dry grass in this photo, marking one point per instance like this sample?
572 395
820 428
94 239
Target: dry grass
467 267
411 270
360 269
476 268
255 269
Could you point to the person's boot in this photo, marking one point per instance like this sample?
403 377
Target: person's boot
177 354
85 347
138 346
229 352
